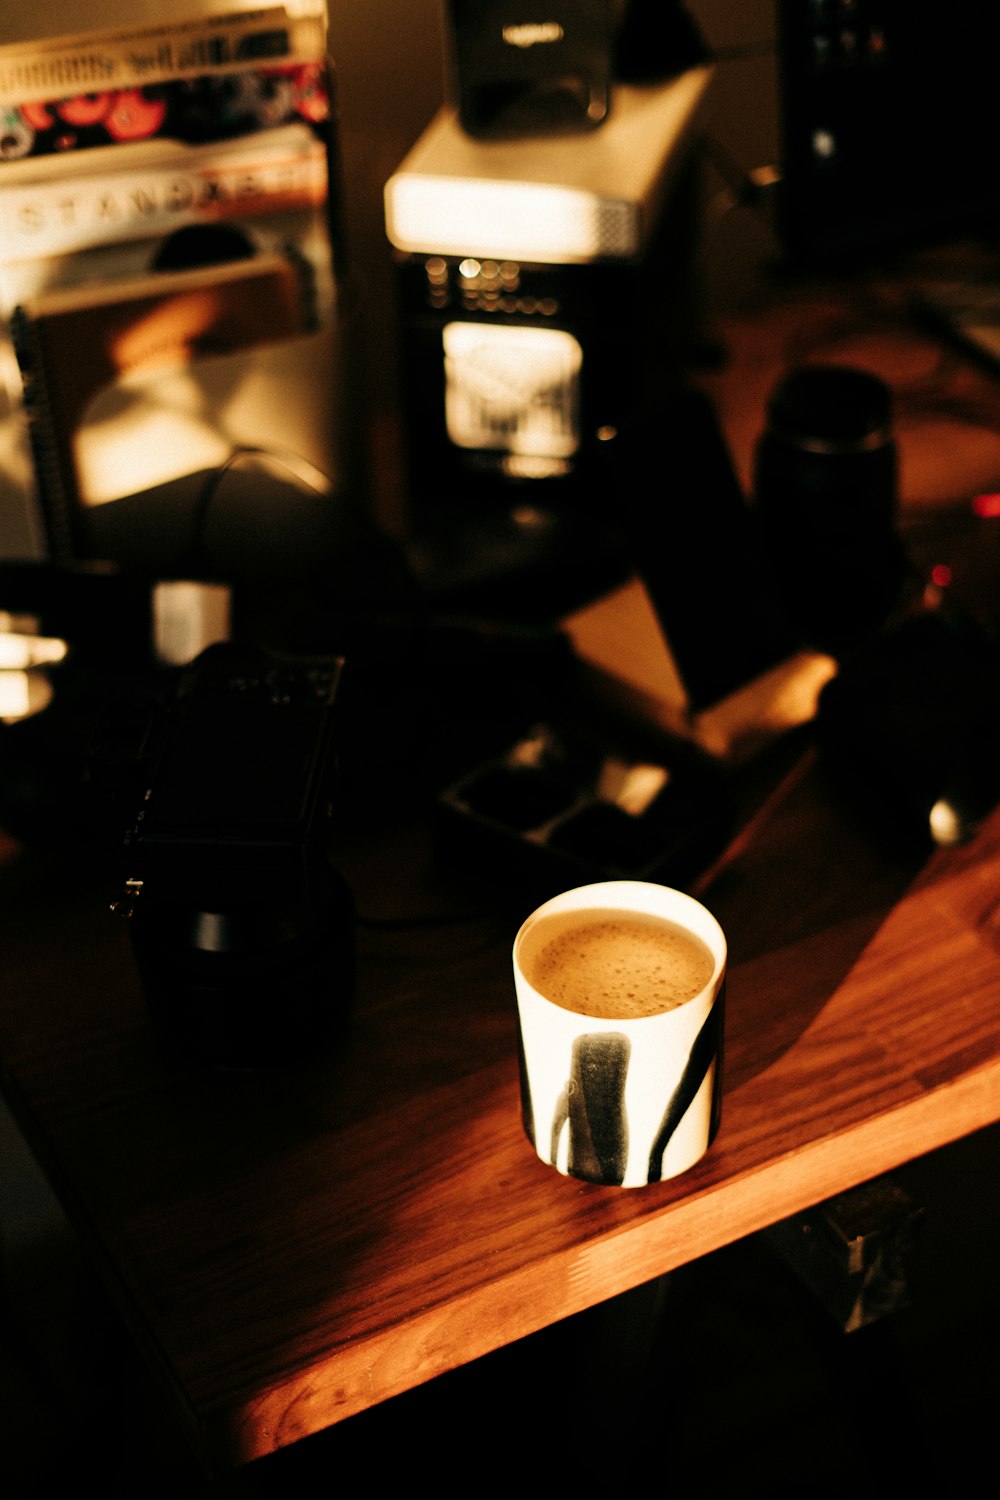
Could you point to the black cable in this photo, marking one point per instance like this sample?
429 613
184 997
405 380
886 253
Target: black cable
195 556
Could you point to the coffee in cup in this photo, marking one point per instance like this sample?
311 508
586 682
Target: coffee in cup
609 963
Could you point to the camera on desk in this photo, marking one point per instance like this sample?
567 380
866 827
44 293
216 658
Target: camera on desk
241 925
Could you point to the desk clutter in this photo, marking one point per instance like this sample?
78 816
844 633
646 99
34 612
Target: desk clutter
280 784
196 499
556 808
489 725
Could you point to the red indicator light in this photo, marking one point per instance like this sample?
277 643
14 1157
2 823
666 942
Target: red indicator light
941 575
986 505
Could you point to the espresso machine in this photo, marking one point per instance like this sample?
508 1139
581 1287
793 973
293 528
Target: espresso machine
544 293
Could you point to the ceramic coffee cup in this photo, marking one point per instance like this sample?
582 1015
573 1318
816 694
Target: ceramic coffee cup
620 988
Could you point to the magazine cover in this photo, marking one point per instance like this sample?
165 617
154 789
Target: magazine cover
169 261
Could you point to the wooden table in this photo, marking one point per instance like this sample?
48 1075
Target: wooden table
292 1249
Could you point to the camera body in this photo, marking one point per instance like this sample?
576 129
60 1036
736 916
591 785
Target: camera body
238 775
241 926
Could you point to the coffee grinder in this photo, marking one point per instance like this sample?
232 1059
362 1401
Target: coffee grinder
544 286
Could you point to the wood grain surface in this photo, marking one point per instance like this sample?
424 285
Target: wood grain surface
290 1249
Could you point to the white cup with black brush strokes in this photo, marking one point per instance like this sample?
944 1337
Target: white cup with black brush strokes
620 992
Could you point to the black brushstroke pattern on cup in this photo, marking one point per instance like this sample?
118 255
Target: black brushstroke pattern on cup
527 1104
706 1050
593 1102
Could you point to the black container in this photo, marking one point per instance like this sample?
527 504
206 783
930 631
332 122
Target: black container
255 986
241 925
529 70
825 489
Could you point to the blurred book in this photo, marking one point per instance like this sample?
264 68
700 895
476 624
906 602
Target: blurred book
170 263
96 360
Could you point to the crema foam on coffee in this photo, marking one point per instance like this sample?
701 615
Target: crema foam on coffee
615 965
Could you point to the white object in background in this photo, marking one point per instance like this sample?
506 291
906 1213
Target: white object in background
187 617
568 199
